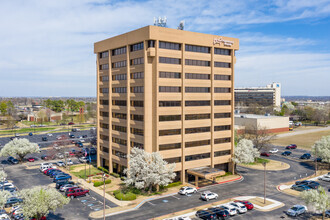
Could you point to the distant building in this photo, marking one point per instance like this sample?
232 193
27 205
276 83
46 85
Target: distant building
273 124
264 96
47 114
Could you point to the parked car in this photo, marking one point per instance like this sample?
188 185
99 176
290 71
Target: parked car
59 156
306 156
45 157
83 159
63 182
187 190
30 134
79 144
84 136
67 186
273 151
69 162
286 153
44 139
207 195
232 210
221 214
319 159
12 201
92 151
60 163
301 188
62 177
77 192
247 204
304 182
50 135
239 206
12 160
206 214
71 136
74 130
325 178
297 210
265 154
31 159
313 184
291 146
327 213
71 123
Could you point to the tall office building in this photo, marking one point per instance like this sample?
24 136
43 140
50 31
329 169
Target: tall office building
168 91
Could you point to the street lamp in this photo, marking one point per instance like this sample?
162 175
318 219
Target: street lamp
264 164
315 160
104 177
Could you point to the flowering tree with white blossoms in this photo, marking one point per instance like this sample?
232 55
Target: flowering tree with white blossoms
321 149
4 195
147 170
3 175
38 201
19 148
245 152
318 198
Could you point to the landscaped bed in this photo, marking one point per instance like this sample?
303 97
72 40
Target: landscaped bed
270 164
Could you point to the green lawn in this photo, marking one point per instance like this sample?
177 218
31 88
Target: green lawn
25 130
259 160
81 173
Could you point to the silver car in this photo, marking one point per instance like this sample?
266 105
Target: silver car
297 210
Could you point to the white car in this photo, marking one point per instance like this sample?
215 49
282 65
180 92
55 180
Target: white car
67 186
231 209
83 159
82 141
239 206
60 163
207 195
60 156
4 217
187 190
69 162
273 151
15 208
325 178
7 185
50 135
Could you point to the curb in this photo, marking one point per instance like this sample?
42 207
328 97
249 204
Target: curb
227 181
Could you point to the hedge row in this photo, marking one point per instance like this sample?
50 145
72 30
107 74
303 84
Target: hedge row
103 169
100 183
115 175
125 197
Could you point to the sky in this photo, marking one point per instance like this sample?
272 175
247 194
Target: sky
46 46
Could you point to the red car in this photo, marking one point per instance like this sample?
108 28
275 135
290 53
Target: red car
72 154
42 218
248 205
77 192
70 123
291 146
31 159
265 154
45 171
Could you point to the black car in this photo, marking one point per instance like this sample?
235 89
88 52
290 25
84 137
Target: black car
304 182
286 153
74 130
221 214
13 200
306 156
84 136
12 160
44 139
71 136
319 159
92 151
8 188
313 185
205 214
62 183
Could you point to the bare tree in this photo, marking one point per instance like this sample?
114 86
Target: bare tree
260 136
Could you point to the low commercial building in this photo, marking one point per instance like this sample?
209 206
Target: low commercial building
272 124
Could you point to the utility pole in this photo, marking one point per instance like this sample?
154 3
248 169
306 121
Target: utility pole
315 160
104 195
264 164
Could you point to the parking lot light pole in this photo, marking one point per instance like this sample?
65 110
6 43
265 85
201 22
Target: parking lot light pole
104 195
315 160
264 164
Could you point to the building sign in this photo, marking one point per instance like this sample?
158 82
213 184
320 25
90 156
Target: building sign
225 42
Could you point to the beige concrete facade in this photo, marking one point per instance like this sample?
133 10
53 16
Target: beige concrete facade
151 118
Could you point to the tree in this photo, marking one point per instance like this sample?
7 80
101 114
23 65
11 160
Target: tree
258 135
38 201
20 148
147 170
320 115
318 198
321 149
245 152
3 175
3 108
4 195
42 115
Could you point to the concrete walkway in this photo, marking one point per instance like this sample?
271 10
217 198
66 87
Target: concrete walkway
292 133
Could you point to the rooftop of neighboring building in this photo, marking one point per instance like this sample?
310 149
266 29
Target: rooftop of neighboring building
257 116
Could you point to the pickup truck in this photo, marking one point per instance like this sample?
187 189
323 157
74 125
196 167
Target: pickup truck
77 192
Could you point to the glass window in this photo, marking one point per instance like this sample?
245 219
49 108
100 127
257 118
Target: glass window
222 115
137 117
197 157
119 102
170 118
197 143
119 90
104 114
138 46
169 89
151 43
137 75
137 61
137 89
137 131
197 89
222 140
119 115
169 103
137 103
104 54
221 90
221 153
103 125
222 64
119 51
119 141
169 146
173 160
197 76
170 75
222 77
137 145
169 60
222 51
169 132
119 64
119 128
199 49
197 116
197 62
119 77
222 128
104 66
222 102
197 103
104 90
197 130
104 102
170 46
104 78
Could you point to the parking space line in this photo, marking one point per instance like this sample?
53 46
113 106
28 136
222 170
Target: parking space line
175 197
151 203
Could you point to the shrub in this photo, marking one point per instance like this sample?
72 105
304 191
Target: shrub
122 178
100 183
125 197
115 175
107 181
116 192
173 184
103 169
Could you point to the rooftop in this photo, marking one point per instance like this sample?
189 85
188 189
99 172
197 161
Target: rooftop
256 116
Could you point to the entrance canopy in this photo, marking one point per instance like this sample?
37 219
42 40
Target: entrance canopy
206 172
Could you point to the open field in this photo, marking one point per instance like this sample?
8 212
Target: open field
305 141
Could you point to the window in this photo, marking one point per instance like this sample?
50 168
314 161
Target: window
104 137
105 149
222 51
103 125
119 102
173 160
197 143
104 90
221 153
197 89
170 118
119 90
119 141
137 89
104 54
104 102
169 146
137 103
222 140
119 154
197 62
104 78
137 117
222 115
137 75
119 115
119 64
138 46
170 75
137 145
222 128
104 67
168 45
151 43
104 114
221 102
169 60
197 157
137 61
197 116
119 77
197 76
222 77
119 128
169 103
169 89
119 51
169 132
222 64
221 90
197 130
197 103
199 49
137 131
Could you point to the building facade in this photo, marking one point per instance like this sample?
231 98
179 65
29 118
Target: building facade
264 96
168 91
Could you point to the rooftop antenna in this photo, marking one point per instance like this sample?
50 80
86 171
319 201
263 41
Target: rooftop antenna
181 25
160 22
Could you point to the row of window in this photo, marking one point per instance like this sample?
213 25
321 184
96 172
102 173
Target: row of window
197 156
169 89
104 54
119 141
199 49
104 114
137 75
104 66
119 128
197 76
137 61
124 103
197 143
191 62
197 62
119 115
104 137
104 90
169 132
119 64
119 90
137 89
169 103
192 144
119 77
169 60
136 47
137 117
104 78
103 125
168 45
174 75
119 51
137 131
119 154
